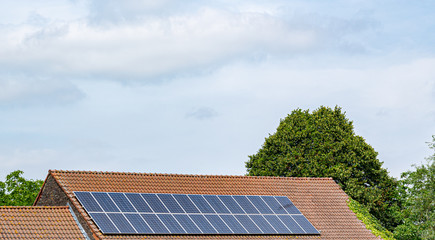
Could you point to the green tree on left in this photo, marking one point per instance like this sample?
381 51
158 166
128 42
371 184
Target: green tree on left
18 191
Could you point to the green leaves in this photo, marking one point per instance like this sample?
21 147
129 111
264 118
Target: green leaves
419 194
323 144
17 191
372 223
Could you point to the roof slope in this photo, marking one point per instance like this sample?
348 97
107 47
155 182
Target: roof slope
321 200
38 223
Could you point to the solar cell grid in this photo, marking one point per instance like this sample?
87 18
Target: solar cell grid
246 204
231 204
304 223
104 223
154 202
188 225
234 224
288 205
122 202
202 223
223 224
138 202
263 224
201 204
249 225
277 224
216 204
170 203
154 222
138 223
149 213
171 223
121 223
88 202
105 202
274 205
186 203
260 205
291 224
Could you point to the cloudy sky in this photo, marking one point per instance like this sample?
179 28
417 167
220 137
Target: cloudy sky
195 86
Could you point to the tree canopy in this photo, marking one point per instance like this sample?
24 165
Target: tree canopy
419 204
18 191
323 144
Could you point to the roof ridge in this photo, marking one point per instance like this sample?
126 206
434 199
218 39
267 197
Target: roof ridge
35 207
184 175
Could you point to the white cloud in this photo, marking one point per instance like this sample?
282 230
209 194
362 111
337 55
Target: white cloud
164 47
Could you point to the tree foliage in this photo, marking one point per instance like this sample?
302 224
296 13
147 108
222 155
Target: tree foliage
324 144
18 191
419 204
372 223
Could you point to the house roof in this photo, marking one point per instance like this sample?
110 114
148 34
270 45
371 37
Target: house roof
38 223
321 200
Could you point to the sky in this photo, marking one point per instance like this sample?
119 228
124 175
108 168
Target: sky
194 87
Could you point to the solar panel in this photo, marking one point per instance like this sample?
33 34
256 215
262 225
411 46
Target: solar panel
156 213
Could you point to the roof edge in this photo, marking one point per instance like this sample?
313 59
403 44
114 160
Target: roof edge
184 175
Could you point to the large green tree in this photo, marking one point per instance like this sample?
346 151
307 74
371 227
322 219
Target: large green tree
419 205
18 191
323 144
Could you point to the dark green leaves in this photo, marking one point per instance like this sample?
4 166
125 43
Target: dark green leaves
323 144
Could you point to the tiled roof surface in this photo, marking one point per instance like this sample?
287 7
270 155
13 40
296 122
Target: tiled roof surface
38 223
321 200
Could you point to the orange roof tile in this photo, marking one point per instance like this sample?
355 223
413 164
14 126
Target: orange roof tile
38 223
321 200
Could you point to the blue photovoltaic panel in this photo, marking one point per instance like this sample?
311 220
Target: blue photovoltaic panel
305 224
154 202
122 202
138 223
277 224
171 223
186 203
187 223
154 222
235 225
260 204
249 225
88 202
203 223
104 223
218 224
288 205
291 224
149 213
170 203
105 202
231 204
245 204
121 223
138 202
263 224
201 203
274 205
216 204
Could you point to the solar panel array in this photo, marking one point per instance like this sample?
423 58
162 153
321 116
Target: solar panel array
147 213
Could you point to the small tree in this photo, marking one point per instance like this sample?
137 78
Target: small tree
17 191
419 211
323 144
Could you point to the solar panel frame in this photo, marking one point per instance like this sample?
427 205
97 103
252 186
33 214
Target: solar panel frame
164 213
